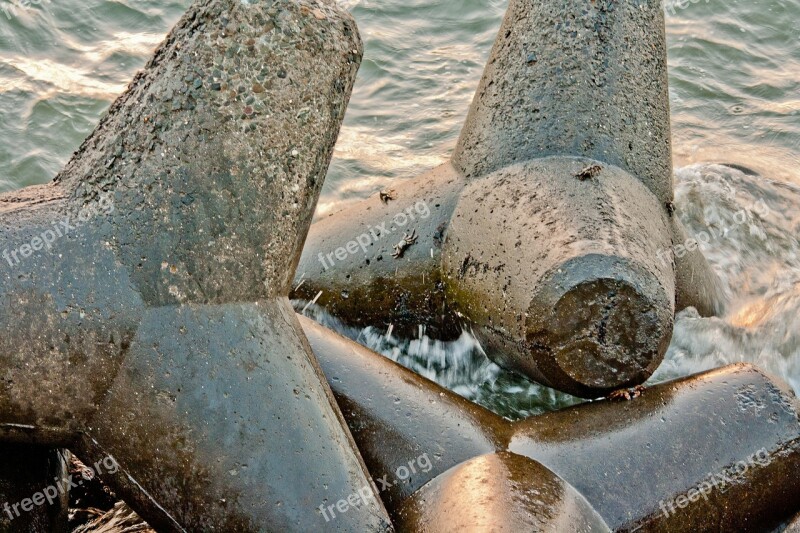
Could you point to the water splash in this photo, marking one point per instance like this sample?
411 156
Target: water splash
758 261
460 365
752 223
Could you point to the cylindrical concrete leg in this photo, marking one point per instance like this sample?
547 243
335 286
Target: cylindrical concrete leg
350 267
409 416
235 432
34 491
574 77
696 285
566 287
585 79
499 492
722 447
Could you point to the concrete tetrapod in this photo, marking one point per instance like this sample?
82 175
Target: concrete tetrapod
719 450
551 231
145 316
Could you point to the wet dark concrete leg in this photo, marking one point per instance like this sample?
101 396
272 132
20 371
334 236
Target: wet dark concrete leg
157 333
227 385
379 398
696 285
721 447
371 287
500 492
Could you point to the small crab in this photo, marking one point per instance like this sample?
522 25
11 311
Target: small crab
402 246
627 394
589 172
385 195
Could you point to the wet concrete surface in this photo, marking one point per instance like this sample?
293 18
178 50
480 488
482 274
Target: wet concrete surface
499 492
154 325
551 230
718 451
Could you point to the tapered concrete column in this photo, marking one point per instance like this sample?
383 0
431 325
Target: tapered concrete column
575 77
722 444
551 231
721 447
446 427
145 319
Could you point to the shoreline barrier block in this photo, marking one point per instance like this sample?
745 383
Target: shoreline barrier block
145 315
720 447
551 232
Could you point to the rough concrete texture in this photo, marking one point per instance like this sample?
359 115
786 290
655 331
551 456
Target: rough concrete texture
566 287
516 494
720 450
427 420
154 327
371 287
259 90
566 275
575 78
27 471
